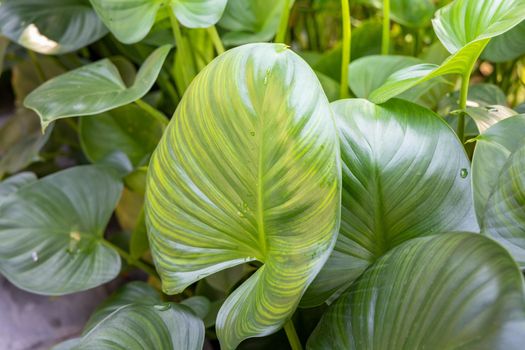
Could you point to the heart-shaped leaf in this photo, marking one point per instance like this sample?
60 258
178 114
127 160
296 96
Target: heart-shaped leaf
131 21
253 174
50 26
52 232
507 46
143 327
449 291
498 166
404 170
464 27
93 89
251 21
127 129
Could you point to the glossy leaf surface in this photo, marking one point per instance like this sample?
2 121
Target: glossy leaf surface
507 46
13 183
131 21
143 327
251 21
51 26
449 291
498 169
92 89
404 170
51 232
127 129
464 27
251 175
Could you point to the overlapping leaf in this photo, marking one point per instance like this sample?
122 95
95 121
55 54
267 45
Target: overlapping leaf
251 174
448 291
52 232
404 171
143 327
127 129
93 89
464 27
131 21
498 169
251 21
50 26
507 46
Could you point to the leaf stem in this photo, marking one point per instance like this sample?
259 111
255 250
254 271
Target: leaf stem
155 113
38 67
347 45
216 40
283 25
465 78
150 270
385 41
182 51
295 343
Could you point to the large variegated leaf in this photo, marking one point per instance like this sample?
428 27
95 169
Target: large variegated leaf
449 291
404 171
52 232
248 169
50 26
251 21
93 89
143 327
498 179
464 27
131 21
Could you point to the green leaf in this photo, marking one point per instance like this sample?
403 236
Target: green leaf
4 43
131 21
449 291
251 21
507 46
485 117
464 27
404 170
498 166
14 183
135 292
50 26
92 89
52 232
463 22
127 129
412 13
479 95
251 175
143 327
199 305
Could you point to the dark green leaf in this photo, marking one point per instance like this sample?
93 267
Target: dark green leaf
507 46
498 169
450 291
404 171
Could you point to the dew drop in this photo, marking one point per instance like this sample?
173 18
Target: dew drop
252 133
267 75
34 256
240 214
463 173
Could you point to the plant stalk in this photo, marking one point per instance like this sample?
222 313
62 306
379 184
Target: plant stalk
182 49
38 67
283 25
385 40
155 113
347 45
463 105
150 270
295 343
216 40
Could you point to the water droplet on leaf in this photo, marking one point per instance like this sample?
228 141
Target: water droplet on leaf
463 173
162 307
34 256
